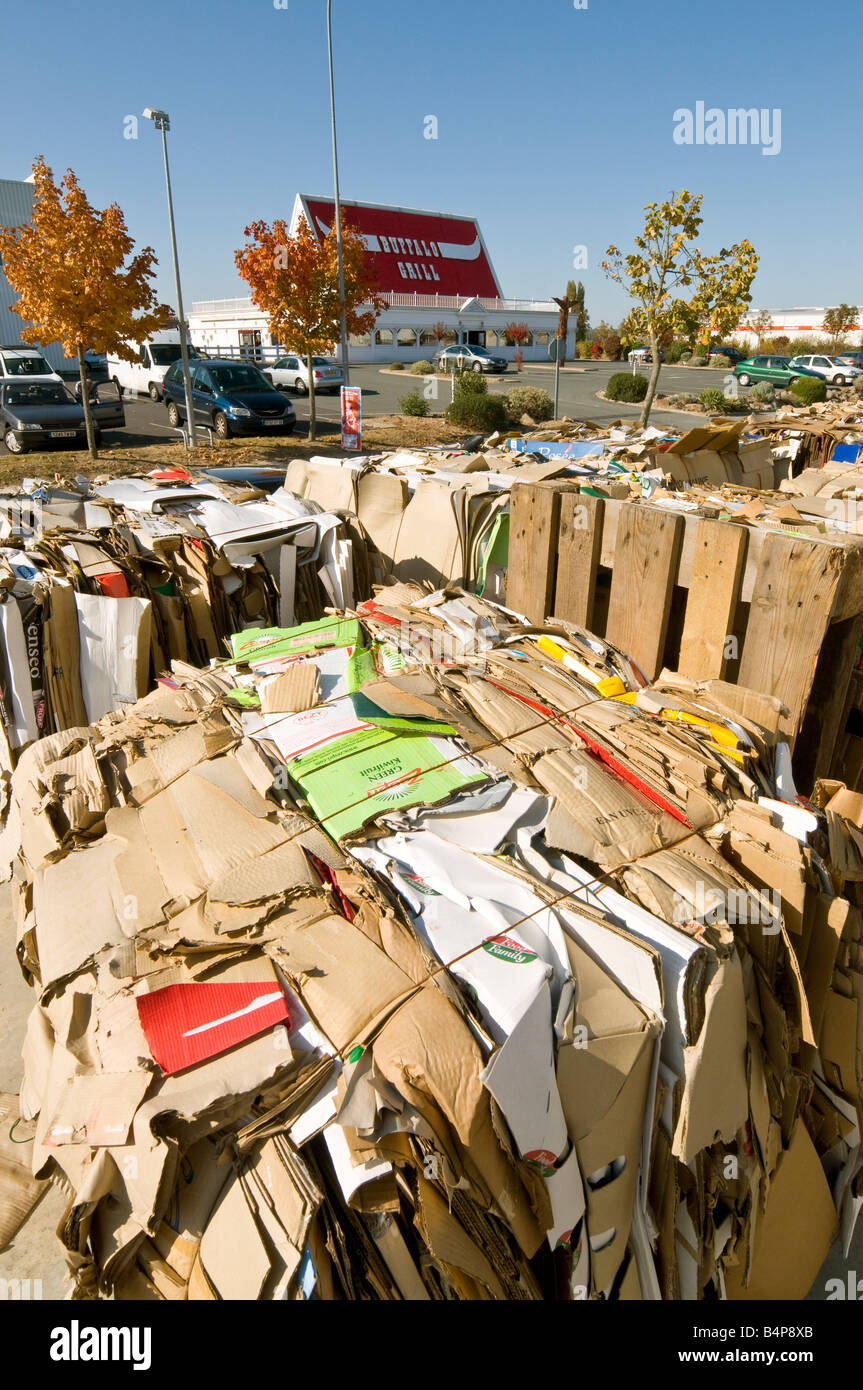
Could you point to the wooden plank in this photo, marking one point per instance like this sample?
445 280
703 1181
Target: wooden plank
828 704
580 542
794 595
714 592
533 526
644 574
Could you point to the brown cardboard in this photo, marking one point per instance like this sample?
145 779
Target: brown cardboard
795 1232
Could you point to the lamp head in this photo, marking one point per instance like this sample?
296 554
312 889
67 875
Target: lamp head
160 119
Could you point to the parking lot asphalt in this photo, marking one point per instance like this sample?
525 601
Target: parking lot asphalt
147 421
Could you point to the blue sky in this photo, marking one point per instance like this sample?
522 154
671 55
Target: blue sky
555 124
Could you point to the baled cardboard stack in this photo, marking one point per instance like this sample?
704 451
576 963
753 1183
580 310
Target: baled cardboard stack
419 952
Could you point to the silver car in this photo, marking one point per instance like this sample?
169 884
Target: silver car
830 369
292 371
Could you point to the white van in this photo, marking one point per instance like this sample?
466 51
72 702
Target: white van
154 357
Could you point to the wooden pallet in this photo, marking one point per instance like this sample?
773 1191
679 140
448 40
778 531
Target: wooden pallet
780 614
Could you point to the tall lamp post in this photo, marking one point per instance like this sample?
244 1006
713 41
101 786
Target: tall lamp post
338 206
162 122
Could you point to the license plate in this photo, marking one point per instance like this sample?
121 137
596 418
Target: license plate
330 373
62 434
272 422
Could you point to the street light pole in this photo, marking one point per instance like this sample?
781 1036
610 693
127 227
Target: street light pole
338 206
162 122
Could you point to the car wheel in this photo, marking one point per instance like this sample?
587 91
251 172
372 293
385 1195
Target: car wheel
154 391
839 380
477 367
173 416
300 387
744 379
12 443
792 381
223 429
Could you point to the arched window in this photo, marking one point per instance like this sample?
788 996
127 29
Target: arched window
542 338
407 338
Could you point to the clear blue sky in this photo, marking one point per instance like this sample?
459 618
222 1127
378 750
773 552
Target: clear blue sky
555 124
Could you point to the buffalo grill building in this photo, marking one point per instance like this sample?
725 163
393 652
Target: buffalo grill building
433 268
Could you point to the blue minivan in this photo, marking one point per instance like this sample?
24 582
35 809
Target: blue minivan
230 397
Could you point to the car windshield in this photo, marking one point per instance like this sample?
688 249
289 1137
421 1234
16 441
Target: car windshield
36 393
165 354
31 365
239 379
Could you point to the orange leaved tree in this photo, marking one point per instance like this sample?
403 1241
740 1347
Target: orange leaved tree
294 280
68 266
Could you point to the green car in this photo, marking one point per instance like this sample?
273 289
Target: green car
777 370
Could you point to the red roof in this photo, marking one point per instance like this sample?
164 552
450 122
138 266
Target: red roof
431 252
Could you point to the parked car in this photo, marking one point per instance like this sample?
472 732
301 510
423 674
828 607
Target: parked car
293 372
467 357
852 359
231 397
95 366
830 369
779 371
145 375
733 354
643 354
16 359
36 413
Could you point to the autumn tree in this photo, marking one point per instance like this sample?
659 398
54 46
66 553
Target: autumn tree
760 324
68 266
294 280
666 262
440 332
564 303
838 321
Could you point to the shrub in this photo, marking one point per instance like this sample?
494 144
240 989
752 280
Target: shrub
421 368
713 400
696 360
721 361
763 391
685 356
478 412
625 387
611 347
858 385
582 348
414 404
675 352
809 389
682 400
397 366
595 351
470 384
531 400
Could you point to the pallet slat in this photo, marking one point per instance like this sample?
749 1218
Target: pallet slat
795 590
642 580
714 593
581 518
533 543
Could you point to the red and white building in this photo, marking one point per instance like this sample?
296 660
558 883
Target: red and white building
432 268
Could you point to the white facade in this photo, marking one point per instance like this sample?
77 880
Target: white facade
794 323
402 332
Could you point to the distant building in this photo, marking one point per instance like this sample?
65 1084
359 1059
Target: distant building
433 269
793 323
16 209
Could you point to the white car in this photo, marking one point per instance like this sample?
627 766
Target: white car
292 371
23 361
831 369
